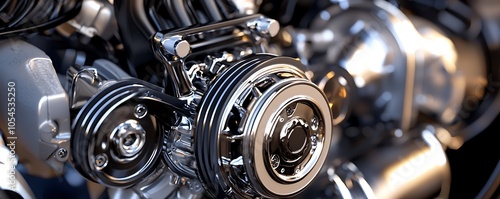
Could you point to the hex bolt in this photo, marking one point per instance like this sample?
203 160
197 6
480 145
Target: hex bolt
101 160
140 111
176 46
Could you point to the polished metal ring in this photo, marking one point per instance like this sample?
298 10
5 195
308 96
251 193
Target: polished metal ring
263 129
273 131
110 145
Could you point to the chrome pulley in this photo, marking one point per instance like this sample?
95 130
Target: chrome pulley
263 129
117 136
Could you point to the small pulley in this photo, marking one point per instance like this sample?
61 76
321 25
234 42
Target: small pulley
117 136
262 130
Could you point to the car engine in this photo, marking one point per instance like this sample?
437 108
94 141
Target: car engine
149 99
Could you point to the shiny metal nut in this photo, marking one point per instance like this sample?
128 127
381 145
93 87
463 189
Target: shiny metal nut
129 138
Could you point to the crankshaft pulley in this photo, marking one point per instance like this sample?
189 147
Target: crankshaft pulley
116 141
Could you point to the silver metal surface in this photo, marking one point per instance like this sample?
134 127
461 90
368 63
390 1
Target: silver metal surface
279 121
176 46
415 168
83 83
62 154
341 93
101 161
41 105
375 43
440 85
162 184
265 26
96 17
173 48
129 138
300 163
182 86
140 110
412 166
242 121
110 144
179 149
247 7
349 182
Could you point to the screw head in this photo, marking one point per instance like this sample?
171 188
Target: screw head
62 154
314 123
140 111
275 161
289 111
101 160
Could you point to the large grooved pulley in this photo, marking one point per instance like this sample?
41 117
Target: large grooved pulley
116 141
263 129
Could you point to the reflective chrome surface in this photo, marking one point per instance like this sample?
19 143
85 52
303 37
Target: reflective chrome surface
423 172
129 138
414 167
375 43
440 83
275 126
110 144
251 99
96 17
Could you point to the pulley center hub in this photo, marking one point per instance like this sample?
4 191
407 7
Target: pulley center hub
297 139
294 138
129 138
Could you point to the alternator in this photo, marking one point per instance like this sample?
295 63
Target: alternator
262 129
242 122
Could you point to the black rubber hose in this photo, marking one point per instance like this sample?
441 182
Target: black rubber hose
212 10
180 12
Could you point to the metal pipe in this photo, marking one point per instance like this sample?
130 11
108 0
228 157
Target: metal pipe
410 167
417 168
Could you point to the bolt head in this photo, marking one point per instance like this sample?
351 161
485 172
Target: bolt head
275 161
140 111
62 154
101 160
